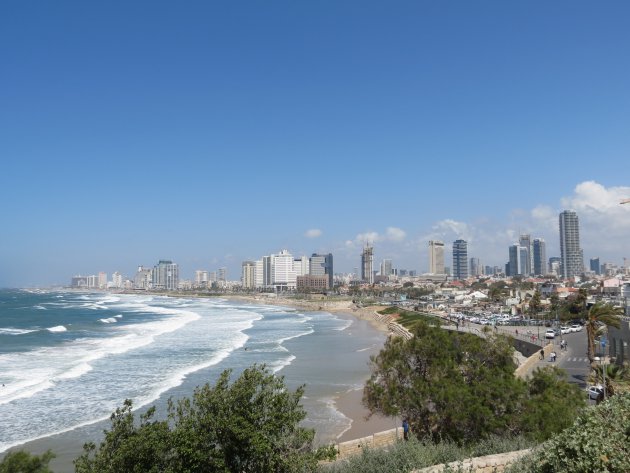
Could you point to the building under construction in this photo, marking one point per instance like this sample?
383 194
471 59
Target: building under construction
367 263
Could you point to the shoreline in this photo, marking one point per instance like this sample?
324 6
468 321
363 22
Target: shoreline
349 404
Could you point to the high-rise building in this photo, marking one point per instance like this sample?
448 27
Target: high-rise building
165 275
102 280
436 257
518 260
540 257
367 263
142 279
117 280
301 266
322 265
475 267
284 277
222 274
554 265
595 267
527 264
572 259
386 267
248 274
460 259
201 278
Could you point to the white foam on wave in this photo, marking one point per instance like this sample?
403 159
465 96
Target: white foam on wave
371 347
110 320
57 329
297 335
28 373
15 331
278 365
177 378
347 324
39 307
119 316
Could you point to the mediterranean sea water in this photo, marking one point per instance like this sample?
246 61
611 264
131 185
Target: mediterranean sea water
68 359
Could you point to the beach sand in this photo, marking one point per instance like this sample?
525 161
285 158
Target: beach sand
351 406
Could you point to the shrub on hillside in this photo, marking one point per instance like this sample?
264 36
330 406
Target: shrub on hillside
599 440
414 454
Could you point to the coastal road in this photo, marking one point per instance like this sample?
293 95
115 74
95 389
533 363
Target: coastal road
573 360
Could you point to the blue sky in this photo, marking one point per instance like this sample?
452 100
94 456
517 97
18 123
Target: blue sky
212 132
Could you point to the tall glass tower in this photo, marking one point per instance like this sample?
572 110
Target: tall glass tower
460 259
571 256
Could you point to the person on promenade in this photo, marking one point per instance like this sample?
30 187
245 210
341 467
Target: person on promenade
405 426
542 354
553 356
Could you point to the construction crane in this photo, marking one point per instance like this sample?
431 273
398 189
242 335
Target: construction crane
625 201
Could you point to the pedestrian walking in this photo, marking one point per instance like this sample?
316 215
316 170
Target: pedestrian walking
542 354
553 356
405 426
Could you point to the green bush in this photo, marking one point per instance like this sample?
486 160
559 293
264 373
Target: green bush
24 462
415 454
599 440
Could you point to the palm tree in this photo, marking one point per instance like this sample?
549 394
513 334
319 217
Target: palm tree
612 375
598 319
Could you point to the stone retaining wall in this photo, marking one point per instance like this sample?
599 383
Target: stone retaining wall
378 440
488 464
526 368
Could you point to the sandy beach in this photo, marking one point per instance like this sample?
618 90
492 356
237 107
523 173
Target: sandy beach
350 403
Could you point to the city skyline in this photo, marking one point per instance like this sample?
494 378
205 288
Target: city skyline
209 134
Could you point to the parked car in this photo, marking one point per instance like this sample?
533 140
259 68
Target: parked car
557 332
564 329
576 328
595 392
550 333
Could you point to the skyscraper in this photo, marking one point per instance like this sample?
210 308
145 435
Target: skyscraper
571 257
540 257
436 257
386 267
518 260
460 259
595 266
367 262
165 275
476 269
527 264
322 265
248 274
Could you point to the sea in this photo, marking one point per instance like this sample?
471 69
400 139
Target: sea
68 359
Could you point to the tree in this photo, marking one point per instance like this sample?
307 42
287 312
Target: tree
535 305
552 403
457 386
24 462
250 425
448 384
598 319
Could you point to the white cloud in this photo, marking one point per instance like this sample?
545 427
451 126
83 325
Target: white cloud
313 233
395 234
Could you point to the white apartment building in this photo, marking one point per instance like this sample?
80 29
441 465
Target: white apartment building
248 274
284 275
436 257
